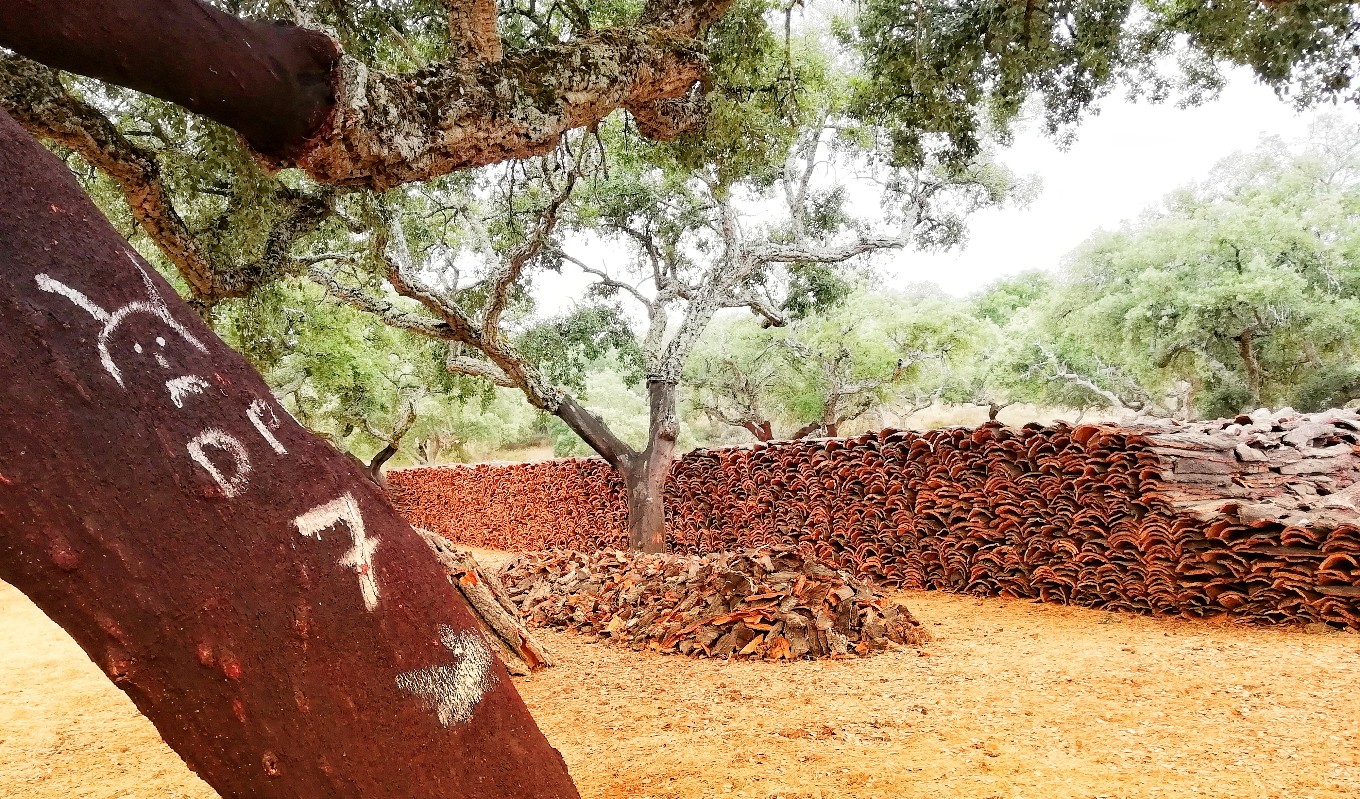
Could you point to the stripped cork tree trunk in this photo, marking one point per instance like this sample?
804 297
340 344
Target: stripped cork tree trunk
251 591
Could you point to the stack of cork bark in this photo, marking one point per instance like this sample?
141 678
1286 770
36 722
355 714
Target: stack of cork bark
1254 517
768 604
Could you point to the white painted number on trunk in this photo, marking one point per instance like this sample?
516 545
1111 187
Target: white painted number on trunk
360 556
182 387
453 692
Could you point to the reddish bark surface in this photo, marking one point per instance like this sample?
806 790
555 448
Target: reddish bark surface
246 586
270 82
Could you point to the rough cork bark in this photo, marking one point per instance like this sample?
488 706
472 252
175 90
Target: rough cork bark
298 101
238 578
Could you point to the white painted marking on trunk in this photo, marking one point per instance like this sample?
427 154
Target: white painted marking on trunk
153 306
360 556
232 485
266 421
453 692
86 304
183 386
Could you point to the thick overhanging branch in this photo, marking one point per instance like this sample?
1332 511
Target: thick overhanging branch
299 102
272 83
392 129
36 98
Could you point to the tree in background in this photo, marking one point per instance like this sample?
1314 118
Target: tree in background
1239 291
950 75
837 365
731 378
694 250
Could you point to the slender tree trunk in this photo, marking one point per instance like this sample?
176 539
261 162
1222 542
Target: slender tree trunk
375 466
257 598
1255 379
833 429
761 430
645 474
994 410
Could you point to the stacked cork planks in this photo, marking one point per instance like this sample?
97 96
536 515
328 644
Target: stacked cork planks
1254 517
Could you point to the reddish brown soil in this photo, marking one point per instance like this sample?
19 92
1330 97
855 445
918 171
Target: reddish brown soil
1013 700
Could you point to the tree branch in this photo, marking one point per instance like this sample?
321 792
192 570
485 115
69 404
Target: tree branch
605 280
476 367
472 29
389 313
1064 374
35 96
506 278
772 252
301 103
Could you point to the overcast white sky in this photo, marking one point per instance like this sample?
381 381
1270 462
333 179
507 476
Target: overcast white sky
1123 160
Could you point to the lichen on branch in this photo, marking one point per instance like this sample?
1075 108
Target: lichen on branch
391 129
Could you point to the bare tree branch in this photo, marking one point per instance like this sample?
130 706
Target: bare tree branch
605 280
388 312
504 279
476 367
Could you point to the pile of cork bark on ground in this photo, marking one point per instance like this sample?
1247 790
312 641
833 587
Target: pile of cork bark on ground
765 604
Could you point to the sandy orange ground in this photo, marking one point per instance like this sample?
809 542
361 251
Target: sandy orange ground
1013 700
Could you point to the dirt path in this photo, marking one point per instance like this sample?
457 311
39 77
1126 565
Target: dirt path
1014 700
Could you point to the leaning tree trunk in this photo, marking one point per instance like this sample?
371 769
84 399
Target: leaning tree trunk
287 633
763 431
